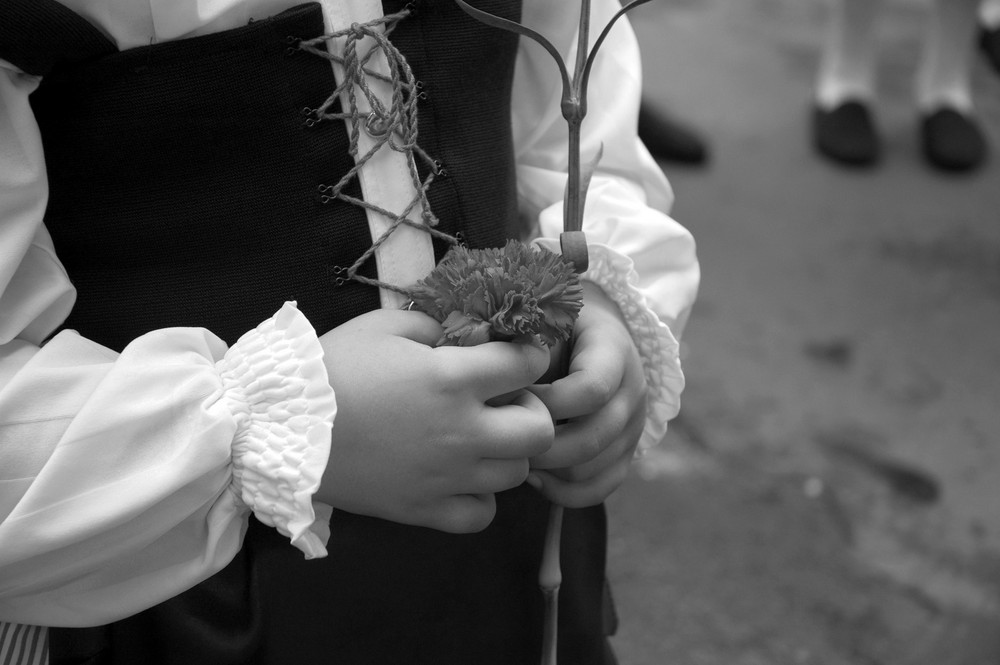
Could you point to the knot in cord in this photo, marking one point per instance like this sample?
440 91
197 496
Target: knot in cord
357 31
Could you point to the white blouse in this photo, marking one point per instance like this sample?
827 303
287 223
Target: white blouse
127 478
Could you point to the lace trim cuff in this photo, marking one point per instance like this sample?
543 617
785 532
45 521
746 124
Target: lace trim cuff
277 387
615 274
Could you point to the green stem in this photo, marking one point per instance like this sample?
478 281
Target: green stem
573 206
550 579
582 48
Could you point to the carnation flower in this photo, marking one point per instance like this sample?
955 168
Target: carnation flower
482 295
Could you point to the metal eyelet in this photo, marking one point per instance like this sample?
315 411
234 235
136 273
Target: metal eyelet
340 271
312 117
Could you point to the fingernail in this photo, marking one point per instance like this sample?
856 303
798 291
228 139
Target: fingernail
534 481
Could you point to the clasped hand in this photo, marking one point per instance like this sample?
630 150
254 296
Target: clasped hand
600 405
428 435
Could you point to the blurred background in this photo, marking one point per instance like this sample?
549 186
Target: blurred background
830 494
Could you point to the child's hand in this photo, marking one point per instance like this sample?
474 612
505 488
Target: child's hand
414 440
603 398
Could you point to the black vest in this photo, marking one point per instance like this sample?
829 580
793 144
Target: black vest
184 192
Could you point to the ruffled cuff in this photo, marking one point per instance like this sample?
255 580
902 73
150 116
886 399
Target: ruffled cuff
615 274
277 388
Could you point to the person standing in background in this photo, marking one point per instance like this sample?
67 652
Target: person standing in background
670 139
843 123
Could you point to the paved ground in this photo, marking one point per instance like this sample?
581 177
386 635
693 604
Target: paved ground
830 494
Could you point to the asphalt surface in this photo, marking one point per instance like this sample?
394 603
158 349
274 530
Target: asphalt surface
830 493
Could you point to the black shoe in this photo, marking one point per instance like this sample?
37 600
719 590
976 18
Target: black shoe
669 141
846 134
952 141
989 43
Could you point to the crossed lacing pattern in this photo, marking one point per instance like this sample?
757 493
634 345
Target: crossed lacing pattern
394 126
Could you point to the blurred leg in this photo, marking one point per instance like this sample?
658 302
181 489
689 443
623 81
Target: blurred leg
842 124
989 13
944 75
952 139
989 31
848 63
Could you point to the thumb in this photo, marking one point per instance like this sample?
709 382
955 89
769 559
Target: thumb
412 325
496 368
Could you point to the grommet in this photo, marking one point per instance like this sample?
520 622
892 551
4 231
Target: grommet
312 117
342 274
324 195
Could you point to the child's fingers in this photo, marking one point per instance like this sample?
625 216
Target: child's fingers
493 368
596 372
519 429
494 475
415 326
581 393
581 440
580 495
620 447
462 513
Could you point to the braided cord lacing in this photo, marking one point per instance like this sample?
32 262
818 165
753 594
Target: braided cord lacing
393 126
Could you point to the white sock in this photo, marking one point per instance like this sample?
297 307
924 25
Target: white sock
847 66
989 14
943 78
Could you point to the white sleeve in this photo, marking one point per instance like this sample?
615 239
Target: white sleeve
629 197
128 478
639 255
